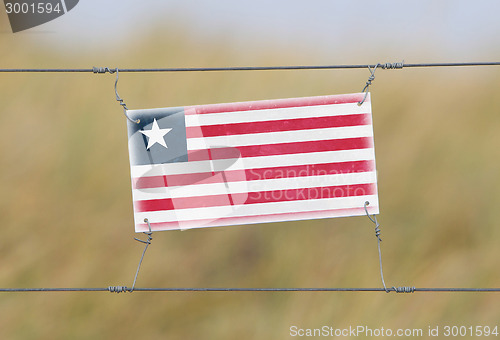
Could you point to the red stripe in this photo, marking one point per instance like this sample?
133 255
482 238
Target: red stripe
255 174
279 217
275 104
256 197
278 125
284 148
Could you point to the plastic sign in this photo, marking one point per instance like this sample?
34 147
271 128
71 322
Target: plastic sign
252 162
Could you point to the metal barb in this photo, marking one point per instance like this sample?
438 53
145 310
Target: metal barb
102 70
404 289
117 289
392 66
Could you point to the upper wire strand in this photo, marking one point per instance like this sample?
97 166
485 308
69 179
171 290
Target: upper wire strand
250 68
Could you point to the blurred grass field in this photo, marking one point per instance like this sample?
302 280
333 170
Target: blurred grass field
66 210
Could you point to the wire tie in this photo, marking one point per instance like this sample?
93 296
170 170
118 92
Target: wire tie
373 218
121 289
368 83
386 66
102 70
120 100
377 234
147 243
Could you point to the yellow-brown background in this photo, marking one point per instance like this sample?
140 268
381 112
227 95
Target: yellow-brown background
66 214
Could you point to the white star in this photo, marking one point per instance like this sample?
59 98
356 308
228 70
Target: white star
156 135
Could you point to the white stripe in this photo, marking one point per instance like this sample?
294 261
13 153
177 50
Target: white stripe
277 218
255 162
277 114
266 219
256 209
301 182
281 137
202 142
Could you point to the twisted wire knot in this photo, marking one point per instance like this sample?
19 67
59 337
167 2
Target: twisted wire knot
378 232
374 220
369 81
118 289
403 289
392 66
103 70
386 66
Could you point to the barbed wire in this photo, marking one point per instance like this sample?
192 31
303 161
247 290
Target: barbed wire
398 65
121 289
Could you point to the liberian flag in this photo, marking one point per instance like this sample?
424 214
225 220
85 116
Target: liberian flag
252 162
